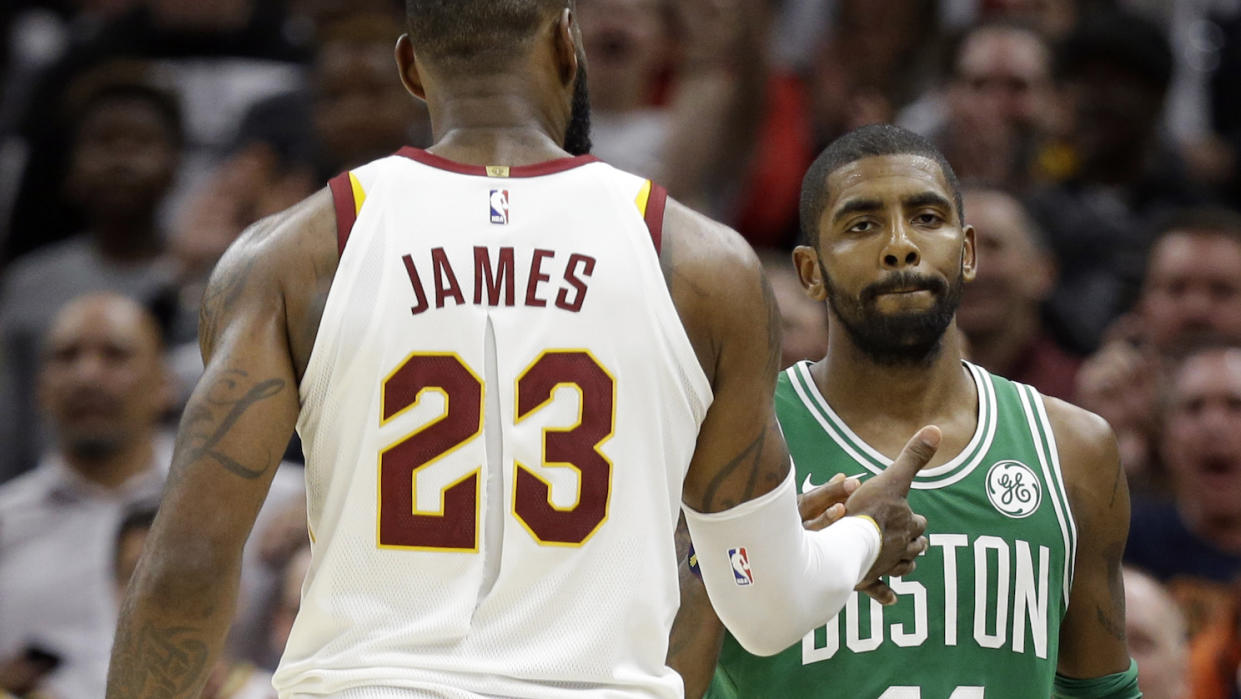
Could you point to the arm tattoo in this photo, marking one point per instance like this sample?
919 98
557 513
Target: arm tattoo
775 327
168 662
1113 621
750 456
1120 473
221 296
203 431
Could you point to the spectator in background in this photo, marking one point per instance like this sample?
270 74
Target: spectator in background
1191 289
1157 638
1001 310
124 158
699 143
998 108
104 387
1215 656
1118 171
804 320
1193 544
230 678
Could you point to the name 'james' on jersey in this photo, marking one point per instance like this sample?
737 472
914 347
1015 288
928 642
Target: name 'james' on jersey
980 616
497 416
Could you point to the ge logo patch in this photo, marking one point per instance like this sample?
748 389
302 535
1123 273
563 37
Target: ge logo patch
1013 489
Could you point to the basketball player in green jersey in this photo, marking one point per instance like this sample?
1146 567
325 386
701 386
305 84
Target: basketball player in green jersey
1019 593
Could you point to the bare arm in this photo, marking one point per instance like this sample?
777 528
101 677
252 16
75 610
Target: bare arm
231 438
1092 638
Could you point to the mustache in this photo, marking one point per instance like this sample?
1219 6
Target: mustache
904 281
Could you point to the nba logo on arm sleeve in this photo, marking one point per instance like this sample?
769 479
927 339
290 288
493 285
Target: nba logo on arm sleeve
741 566
499 206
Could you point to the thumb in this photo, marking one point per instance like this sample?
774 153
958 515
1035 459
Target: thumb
913 457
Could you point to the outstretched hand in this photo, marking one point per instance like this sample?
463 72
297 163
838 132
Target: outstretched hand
883 499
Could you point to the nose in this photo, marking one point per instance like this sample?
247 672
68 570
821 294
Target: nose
899 251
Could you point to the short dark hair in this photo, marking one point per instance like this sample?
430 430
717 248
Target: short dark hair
1122 39
138 517
475 34
865 142
124 81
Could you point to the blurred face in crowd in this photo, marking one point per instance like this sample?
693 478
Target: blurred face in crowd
1115 113
361 112
124 159
893 256
1014 275
1007 72
1202 437
103 382
1157 637
1192 287
625 41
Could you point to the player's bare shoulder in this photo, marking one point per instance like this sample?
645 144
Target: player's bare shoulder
715 279
1089 458
283 264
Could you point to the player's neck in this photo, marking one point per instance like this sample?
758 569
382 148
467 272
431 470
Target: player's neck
478 123
858 386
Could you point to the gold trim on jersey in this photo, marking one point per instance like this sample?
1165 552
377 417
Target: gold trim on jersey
359 194
497 170
644 197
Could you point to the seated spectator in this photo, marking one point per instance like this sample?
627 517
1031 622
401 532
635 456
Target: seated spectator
125 155
1156 633
1001 310
1215 657
229 678
998 108
1193 544
1191 289
104 388
1118 173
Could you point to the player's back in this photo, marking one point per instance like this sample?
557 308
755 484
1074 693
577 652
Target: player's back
497 416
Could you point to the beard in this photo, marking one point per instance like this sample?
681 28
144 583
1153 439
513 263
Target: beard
577 133
910 338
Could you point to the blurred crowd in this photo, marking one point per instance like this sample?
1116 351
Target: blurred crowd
1098 142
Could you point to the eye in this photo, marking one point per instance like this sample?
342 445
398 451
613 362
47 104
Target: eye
928 218
862 227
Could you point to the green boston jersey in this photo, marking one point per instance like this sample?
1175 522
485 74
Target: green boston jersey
980 617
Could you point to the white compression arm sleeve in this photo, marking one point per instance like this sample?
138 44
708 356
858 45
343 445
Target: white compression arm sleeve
771 581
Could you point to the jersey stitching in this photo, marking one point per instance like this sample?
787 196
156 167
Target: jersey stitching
1039 447
1058 474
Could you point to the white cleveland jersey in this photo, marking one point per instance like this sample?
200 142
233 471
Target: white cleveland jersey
497 417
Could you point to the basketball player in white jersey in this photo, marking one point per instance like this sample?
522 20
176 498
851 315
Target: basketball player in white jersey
510 369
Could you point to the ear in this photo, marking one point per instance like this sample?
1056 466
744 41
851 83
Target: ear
407 65
806 260
969 255
566 38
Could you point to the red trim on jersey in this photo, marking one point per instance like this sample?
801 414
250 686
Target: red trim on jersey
655 214
346 208
545 168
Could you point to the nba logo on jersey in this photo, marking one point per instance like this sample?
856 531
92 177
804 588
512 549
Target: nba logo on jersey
741 566
499 206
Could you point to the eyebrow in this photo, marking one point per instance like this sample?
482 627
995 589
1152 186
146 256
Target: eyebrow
854 206
926 199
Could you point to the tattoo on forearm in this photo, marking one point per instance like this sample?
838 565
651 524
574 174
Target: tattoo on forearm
203 430
1113 620
155 662
750 457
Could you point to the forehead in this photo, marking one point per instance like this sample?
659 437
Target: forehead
1003 51
1199 250
886 178
1212 372
107 323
